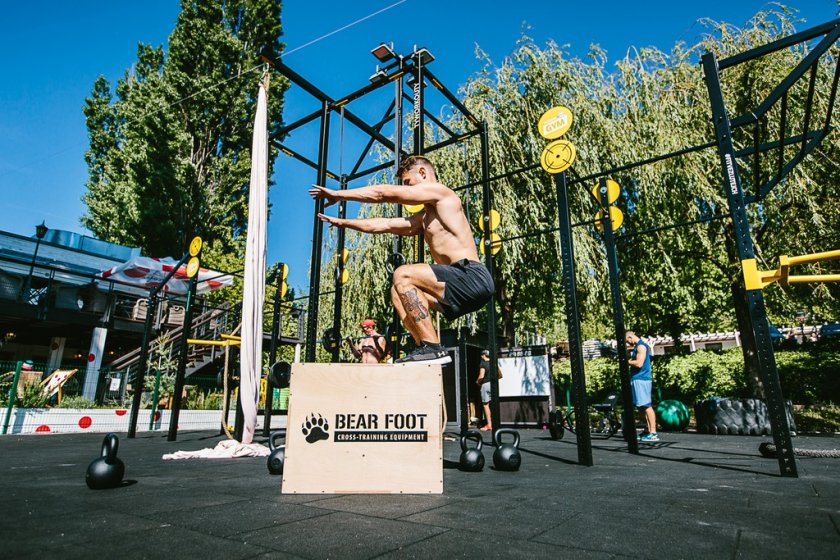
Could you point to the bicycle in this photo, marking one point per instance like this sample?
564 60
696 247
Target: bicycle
608 424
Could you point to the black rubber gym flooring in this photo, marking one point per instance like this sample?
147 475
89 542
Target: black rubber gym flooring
689 496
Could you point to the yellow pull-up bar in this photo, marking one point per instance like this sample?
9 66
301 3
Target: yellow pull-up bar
755 279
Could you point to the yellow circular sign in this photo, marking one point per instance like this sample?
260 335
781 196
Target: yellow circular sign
555 122
495 219
413 208
285 270
558 156
613 190
345 276
495 244
192 267
616 219
195 245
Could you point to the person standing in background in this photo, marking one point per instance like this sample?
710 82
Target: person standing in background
485 377
641 382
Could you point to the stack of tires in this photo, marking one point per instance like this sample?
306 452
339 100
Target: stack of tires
745 417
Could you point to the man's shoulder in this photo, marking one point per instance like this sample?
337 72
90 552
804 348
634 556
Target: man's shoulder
443 190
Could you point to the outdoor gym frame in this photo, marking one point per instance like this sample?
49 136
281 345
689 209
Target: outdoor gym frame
807 140
413 66
409 74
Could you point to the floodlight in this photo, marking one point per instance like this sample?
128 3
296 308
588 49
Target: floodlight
423 56
379 76
384 52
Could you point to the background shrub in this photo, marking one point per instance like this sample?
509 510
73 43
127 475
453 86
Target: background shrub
809 376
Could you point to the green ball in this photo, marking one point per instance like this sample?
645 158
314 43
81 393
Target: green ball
673 415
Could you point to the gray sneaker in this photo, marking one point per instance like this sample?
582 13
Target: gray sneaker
427 354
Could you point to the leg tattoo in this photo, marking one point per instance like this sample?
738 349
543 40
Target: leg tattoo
413 306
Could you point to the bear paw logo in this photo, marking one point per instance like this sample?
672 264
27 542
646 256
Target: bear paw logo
315 429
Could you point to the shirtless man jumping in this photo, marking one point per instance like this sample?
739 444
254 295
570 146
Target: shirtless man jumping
456 284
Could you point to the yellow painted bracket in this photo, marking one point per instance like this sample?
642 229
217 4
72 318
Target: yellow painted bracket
214 342
755 279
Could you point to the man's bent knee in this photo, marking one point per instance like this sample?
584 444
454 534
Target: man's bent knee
409 273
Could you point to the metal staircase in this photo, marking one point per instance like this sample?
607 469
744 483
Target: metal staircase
209 324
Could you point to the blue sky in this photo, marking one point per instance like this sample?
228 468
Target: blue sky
53 51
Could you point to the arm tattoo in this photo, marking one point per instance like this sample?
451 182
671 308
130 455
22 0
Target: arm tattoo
413 305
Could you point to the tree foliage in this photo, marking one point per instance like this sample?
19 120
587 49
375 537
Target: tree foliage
807 374
169 154
649 103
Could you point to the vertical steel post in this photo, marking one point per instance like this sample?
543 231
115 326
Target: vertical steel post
339 271
182 360
628 423
567 257
10 402
396 323
492 339
272 352
155 395
317 236
142 363
462 379
419 137
744 245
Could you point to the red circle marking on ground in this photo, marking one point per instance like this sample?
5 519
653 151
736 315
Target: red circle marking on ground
43 428
85 422
91 357
120 412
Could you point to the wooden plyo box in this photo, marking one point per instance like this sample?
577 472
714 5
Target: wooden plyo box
364 428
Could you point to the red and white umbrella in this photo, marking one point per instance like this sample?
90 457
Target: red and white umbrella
148 272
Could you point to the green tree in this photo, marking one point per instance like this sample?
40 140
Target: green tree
649 103
169 154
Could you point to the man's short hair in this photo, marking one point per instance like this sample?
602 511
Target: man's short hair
410 162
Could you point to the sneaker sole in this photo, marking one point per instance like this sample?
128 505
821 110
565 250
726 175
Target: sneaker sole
443 360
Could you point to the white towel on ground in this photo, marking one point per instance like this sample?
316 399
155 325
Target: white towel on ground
227 449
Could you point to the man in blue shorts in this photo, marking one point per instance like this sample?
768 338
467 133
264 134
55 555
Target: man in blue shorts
456 284
642 383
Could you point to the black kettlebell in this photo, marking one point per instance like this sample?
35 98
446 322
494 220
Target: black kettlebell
107 471
506 457
278 453
472 459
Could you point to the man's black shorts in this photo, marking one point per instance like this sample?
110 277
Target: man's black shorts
468 287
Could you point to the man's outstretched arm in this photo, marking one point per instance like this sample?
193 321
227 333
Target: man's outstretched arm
396 226
424 193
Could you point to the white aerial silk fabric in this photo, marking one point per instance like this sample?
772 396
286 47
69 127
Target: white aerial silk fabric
253 296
